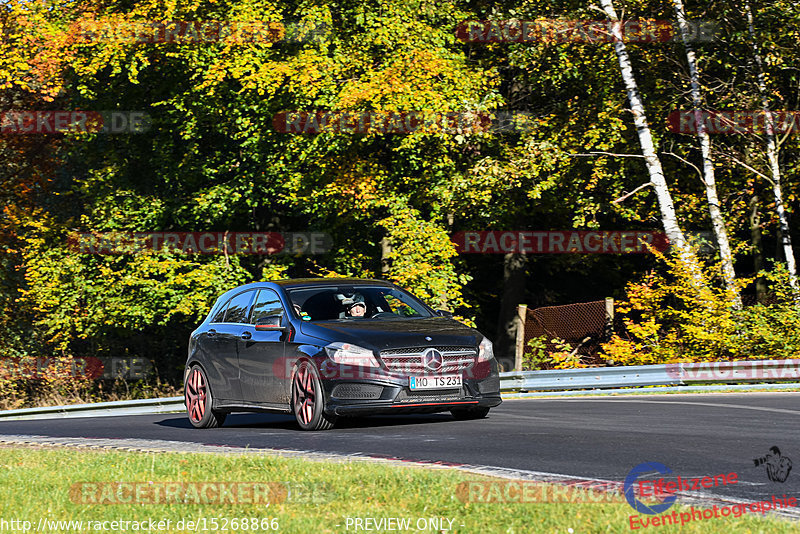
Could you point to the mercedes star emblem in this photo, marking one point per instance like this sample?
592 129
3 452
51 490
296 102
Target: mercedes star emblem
432 359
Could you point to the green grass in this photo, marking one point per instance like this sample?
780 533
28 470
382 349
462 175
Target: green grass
36 483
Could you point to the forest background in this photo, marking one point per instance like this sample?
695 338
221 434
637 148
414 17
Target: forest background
582 140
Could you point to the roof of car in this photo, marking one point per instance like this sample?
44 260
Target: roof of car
294 282
303 282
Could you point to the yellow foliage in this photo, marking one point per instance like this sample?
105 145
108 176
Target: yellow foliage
683 315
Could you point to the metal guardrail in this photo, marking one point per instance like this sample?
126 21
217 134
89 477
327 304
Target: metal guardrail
517 384
723 388
593 378
98 409
677 374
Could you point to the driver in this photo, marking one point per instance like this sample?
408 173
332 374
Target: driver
357 309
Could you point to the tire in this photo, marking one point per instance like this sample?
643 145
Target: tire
467 414
308 398
198 400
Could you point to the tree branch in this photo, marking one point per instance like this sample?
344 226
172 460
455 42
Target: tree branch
596 154
748 167
628 195
689 163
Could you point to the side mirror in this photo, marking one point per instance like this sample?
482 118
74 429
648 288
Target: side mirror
270 322
444 313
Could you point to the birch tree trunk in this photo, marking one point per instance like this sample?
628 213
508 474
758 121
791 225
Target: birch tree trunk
656 172
758 255
772 153
714 211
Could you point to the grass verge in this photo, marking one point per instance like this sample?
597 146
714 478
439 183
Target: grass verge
41 483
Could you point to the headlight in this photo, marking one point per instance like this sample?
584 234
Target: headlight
485 351
348 354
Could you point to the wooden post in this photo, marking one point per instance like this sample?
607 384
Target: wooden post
609 318
522 315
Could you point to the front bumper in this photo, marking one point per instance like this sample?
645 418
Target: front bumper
416 407
382 392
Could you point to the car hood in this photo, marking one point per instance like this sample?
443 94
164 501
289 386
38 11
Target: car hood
381 334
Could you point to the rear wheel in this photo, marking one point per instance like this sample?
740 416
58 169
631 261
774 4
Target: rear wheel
465 414
197 394
308 399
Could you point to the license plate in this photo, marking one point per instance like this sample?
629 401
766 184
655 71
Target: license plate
416 383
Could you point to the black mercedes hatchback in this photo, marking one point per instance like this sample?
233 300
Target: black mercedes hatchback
328 347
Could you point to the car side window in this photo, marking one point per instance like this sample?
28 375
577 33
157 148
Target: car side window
239 308
267 303
220 315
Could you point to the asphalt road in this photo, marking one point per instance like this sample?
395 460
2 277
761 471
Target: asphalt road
694 435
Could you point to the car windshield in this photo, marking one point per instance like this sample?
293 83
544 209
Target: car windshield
327 303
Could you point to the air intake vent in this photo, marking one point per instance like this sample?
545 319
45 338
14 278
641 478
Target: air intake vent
357 391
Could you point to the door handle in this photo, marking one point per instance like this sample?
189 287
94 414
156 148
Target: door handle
212 333
247 335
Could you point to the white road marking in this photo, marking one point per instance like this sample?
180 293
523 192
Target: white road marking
712 404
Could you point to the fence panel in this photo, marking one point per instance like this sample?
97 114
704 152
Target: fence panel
583 326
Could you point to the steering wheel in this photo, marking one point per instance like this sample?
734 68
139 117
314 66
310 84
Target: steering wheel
383 314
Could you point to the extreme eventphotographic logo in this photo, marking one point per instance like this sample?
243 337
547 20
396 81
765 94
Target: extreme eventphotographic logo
633 477
664 493
778 467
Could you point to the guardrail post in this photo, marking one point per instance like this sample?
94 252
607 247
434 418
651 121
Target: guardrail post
609 330
522 315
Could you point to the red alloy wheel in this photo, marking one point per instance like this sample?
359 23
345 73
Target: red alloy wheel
308 399
196 395
305 395
199 401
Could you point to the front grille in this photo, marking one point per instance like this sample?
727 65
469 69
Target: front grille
410 361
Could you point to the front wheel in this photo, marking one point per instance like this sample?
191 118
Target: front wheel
308 399
198 400
465 414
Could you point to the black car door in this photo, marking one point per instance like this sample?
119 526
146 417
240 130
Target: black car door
227 335
222 372
261 352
